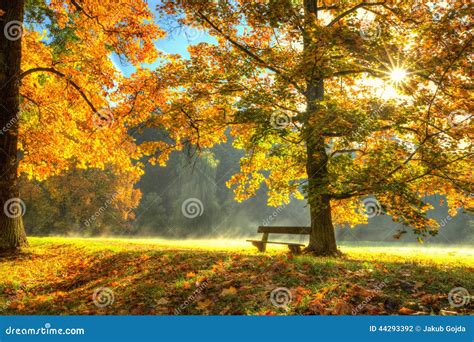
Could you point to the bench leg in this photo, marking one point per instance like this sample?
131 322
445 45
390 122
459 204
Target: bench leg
264 242
296 250
260 245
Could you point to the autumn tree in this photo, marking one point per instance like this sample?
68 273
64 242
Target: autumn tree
63 103
344 102
81 202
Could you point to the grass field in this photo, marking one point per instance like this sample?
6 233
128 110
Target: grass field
202 277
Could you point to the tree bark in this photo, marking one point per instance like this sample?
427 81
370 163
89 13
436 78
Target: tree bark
322 238
12 232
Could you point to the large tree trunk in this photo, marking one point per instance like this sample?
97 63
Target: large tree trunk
322 238
12 232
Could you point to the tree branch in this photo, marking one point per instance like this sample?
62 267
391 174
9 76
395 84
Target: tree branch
353 9
60 74
246 50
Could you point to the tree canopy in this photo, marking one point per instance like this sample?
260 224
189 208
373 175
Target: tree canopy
342 103
396 112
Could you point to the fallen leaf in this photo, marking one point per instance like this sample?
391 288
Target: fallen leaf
204 304
418 285
229 292
144 257
406 311
357 290
342 308
373 310
316 307
162 301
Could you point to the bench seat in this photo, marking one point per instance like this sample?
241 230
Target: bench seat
278 242
294 247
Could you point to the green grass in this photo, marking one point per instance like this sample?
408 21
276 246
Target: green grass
156 276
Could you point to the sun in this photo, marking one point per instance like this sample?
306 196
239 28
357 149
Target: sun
398 75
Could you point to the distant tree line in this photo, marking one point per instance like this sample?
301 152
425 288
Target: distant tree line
97 202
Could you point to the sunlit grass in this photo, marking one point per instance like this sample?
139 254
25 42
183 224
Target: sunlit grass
387 252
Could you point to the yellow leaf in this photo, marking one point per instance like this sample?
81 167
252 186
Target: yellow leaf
229 292
162 301
204 304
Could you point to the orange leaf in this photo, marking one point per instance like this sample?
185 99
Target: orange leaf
342 308
406 311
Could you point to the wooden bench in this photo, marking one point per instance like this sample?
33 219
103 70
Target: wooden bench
295 248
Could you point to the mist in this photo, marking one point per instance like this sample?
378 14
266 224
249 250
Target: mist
189 199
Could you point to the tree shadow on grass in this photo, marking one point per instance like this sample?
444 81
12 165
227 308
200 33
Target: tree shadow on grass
151 282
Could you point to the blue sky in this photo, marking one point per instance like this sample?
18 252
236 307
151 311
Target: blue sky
176 43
